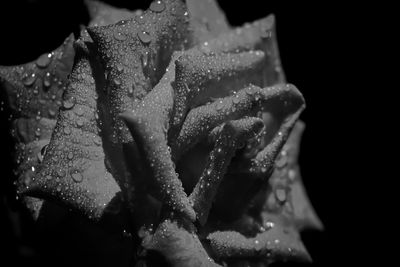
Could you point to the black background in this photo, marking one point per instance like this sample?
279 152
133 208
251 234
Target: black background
321 50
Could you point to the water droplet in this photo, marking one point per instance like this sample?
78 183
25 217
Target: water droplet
69 103
44 60
130 90
220 105
121 22
77 177
67 130
280 194
70 155
145 59
120 68
268 225
292 174
97 140
144 37
52 113
37 132
58 188
29 79
39 157
79 122
117 81
119 36
281 161
157 6
79 111
140 19
250 91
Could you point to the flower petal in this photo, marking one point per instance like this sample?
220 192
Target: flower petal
180 247
147 131
73 171
248 101
135 54
207 19
276 244
102 14
229 137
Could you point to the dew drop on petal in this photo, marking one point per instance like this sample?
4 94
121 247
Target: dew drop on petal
119 36
220 105
69 103
281 161
79 122
140 19
44 60
292 174
77 177
29 79
157 6
67 130
280 194
144 37
117 81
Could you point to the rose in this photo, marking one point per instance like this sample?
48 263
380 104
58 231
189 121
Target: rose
171 90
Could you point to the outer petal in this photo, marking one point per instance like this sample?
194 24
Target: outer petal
180 247
35 89
275 244
136 53
206 19
34 92
102 14
73 171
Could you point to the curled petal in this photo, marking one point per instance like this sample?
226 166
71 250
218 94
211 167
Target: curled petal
201 77
148 133
275 244
229 138
247 101
180 247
